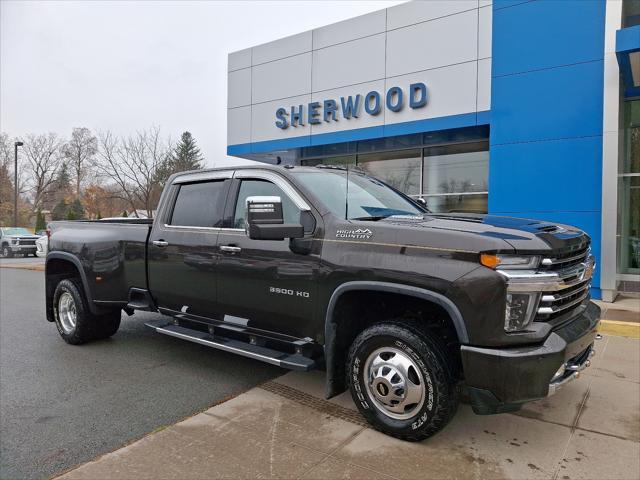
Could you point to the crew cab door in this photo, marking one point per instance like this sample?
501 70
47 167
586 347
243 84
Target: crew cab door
182 253
268 284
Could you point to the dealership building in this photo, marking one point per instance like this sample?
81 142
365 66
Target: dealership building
520 108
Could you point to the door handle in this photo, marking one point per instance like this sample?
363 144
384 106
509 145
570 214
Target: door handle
230 248
160 243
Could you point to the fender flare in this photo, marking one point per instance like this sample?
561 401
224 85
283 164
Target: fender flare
69 257
330 327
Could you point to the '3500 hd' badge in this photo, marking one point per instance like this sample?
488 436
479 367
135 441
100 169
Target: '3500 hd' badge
359 233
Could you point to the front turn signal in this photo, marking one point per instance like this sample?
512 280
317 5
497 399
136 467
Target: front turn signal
489 260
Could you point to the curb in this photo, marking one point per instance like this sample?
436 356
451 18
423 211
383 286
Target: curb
26 266
620 329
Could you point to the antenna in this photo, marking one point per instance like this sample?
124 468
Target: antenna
346 197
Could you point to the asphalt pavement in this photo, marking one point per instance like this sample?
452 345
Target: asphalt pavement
21 260
62 405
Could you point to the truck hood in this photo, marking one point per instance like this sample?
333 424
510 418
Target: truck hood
20 237
523 235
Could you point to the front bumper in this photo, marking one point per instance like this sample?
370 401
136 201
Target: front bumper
502 379
23 248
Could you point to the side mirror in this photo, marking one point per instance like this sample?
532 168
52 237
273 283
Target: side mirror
422 202
265 221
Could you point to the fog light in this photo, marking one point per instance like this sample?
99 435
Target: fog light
519 310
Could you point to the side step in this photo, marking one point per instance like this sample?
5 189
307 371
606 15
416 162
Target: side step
257 352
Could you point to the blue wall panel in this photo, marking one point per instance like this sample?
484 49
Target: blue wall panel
538 176
560 102
547 33
546 113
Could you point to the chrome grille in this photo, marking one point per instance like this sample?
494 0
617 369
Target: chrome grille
576 282
565 260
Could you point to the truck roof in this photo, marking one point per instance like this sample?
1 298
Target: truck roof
283 169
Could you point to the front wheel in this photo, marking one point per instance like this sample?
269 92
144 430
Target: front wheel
402 380
6 251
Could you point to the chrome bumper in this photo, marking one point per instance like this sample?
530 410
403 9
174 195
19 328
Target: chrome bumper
570 370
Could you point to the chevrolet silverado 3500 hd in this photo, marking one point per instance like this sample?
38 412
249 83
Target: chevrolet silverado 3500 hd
326 268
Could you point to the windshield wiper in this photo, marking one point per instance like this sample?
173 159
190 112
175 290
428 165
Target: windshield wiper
372 218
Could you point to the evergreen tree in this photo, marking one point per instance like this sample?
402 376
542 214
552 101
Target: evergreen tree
60 189
41 224
76 211
60 211
185 156
124 214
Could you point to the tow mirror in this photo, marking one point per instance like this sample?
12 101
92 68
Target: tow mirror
265 221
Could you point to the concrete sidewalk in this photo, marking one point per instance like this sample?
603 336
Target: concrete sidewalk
284 429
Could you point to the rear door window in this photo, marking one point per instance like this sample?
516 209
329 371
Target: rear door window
199 204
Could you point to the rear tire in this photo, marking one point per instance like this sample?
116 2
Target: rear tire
75 323
402 380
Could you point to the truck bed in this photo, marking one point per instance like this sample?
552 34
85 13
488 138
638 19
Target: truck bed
112 254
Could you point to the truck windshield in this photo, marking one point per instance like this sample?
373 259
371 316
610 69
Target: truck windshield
368 198
16 231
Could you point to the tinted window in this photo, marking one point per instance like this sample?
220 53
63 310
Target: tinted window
253 188
199 205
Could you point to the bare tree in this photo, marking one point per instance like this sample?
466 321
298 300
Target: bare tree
6 181
7 162
43 154
132 164
79 152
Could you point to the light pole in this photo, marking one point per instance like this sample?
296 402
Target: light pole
15 183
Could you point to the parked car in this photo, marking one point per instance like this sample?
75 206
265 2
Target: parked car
42 246
17 241
322 268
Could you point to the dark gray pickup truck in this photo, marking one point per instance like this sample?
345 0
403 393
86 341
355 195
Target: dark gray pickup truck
326 268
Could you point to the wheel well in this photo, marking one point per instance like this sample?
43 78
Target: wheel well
358 309
57 270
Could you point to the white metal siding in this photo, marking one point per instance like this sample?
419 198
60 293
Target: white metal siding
446 45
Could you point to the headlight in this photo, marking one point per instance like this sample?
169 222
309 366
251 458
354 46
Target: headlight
510 262
519 310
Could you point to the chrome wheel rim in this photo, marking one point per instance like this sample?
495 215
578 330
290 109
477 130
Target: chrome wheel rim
394 382
67 312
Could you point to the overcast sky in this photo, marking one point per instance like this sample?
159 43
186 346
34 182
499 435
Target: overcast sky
124 66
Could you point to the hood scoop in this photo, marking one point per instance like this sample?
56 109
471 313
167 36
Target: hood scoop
551 229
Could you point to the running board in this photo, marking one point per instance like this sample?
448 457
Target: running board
257 352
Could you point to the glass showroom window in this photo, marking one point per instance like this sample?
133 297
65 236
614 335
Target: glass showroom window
630 13
455 177
629 192
400 168
341 161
